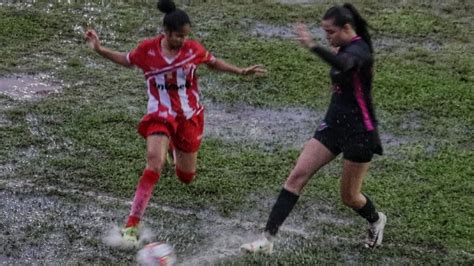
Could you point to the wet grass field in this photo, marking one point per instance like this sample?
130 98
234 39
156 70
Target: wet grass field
70 156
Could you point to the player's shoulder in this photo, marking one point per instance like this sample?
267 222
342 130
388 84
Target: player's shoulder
149 42
358 47
194 45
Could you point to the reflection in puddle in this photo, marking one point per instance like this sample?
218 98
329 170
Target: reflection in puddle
27 87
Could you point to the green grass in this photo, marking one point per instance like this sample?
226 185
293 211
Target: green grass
86 135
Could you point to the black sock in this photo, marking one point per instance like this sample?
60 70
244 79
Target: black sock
368 211
282 208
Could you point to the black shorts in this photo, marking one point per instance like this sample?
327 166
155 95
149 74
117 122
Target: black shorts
357 147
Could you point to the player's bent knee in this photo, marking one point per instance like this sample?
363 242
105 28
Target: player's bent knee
185 177
297 180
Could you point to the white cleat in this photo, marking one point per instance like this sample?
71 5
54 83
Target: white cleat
130 237
375 232
263 245
126 238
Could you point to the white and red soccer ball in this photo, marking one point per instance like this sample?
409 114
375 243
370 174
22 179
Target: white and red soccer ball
156 254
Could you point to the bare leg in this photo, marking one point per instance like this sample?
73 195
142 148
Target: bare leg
157 146
351 184
186 164
314 156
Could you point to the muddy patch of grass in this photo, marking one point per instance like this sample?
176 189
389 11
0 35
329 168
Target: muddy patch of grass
4 121
46 229
27 87
22 158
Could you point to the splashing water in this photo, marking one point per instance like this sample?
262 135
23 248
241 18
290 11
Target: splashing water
113 237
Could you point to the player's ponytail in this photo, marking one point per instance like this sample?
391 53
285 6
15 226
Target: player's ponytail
174 18
166 6
347 13
360 24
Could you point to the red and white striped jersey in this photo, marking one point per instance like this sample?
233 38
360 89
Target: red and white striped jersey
172 82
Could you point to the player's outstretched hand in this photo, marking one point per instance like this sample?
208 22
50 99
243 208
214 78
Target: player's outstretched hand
304 36
92 39
256 69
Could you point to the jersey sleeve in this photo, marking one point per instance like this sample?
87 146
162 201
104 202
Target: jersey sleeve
137 55
342 61
203 55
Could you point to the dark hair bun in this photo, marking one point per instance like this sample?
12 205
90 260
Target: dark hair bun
166 6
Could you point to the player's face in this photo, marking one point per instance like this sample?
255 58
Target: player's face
177 38
335 35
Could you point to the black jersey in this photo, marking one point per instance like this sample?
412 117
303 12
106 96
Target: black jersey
351 75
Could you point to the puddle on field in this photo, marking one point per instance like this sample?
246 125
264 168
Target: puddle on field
28 87
380 42
41 226
7 169
413 121
4 121
286 127
397 44
47 224
22 157
296 2
40 229
261 29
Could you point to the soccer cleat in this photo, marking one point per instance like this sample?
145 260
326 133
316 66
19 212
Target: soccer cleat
263 245
375 232
130 235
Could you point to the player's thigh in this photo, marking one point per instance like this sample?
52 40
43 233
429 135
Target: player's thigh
314 156
156 148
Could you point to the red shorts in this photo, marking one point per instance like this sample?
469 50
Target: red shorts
185 134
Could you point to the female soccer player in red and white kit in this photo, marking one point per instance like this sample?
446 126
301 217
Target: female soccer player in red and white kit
175 115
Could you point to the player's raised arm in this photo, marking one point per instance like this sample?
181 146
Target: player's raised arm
93 41
221 65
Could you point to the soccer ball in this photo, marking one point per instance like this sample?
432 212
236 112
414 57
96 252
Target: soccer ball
156 254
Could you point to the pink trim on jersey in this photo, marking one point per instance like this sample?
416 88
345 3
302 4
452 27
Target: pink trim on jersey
359 94
356 38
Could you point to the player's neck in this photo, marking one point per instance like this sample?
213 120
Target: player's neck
167 50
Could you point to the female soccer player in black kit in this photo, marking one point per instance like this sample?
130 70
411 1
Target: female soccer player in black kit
349 127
